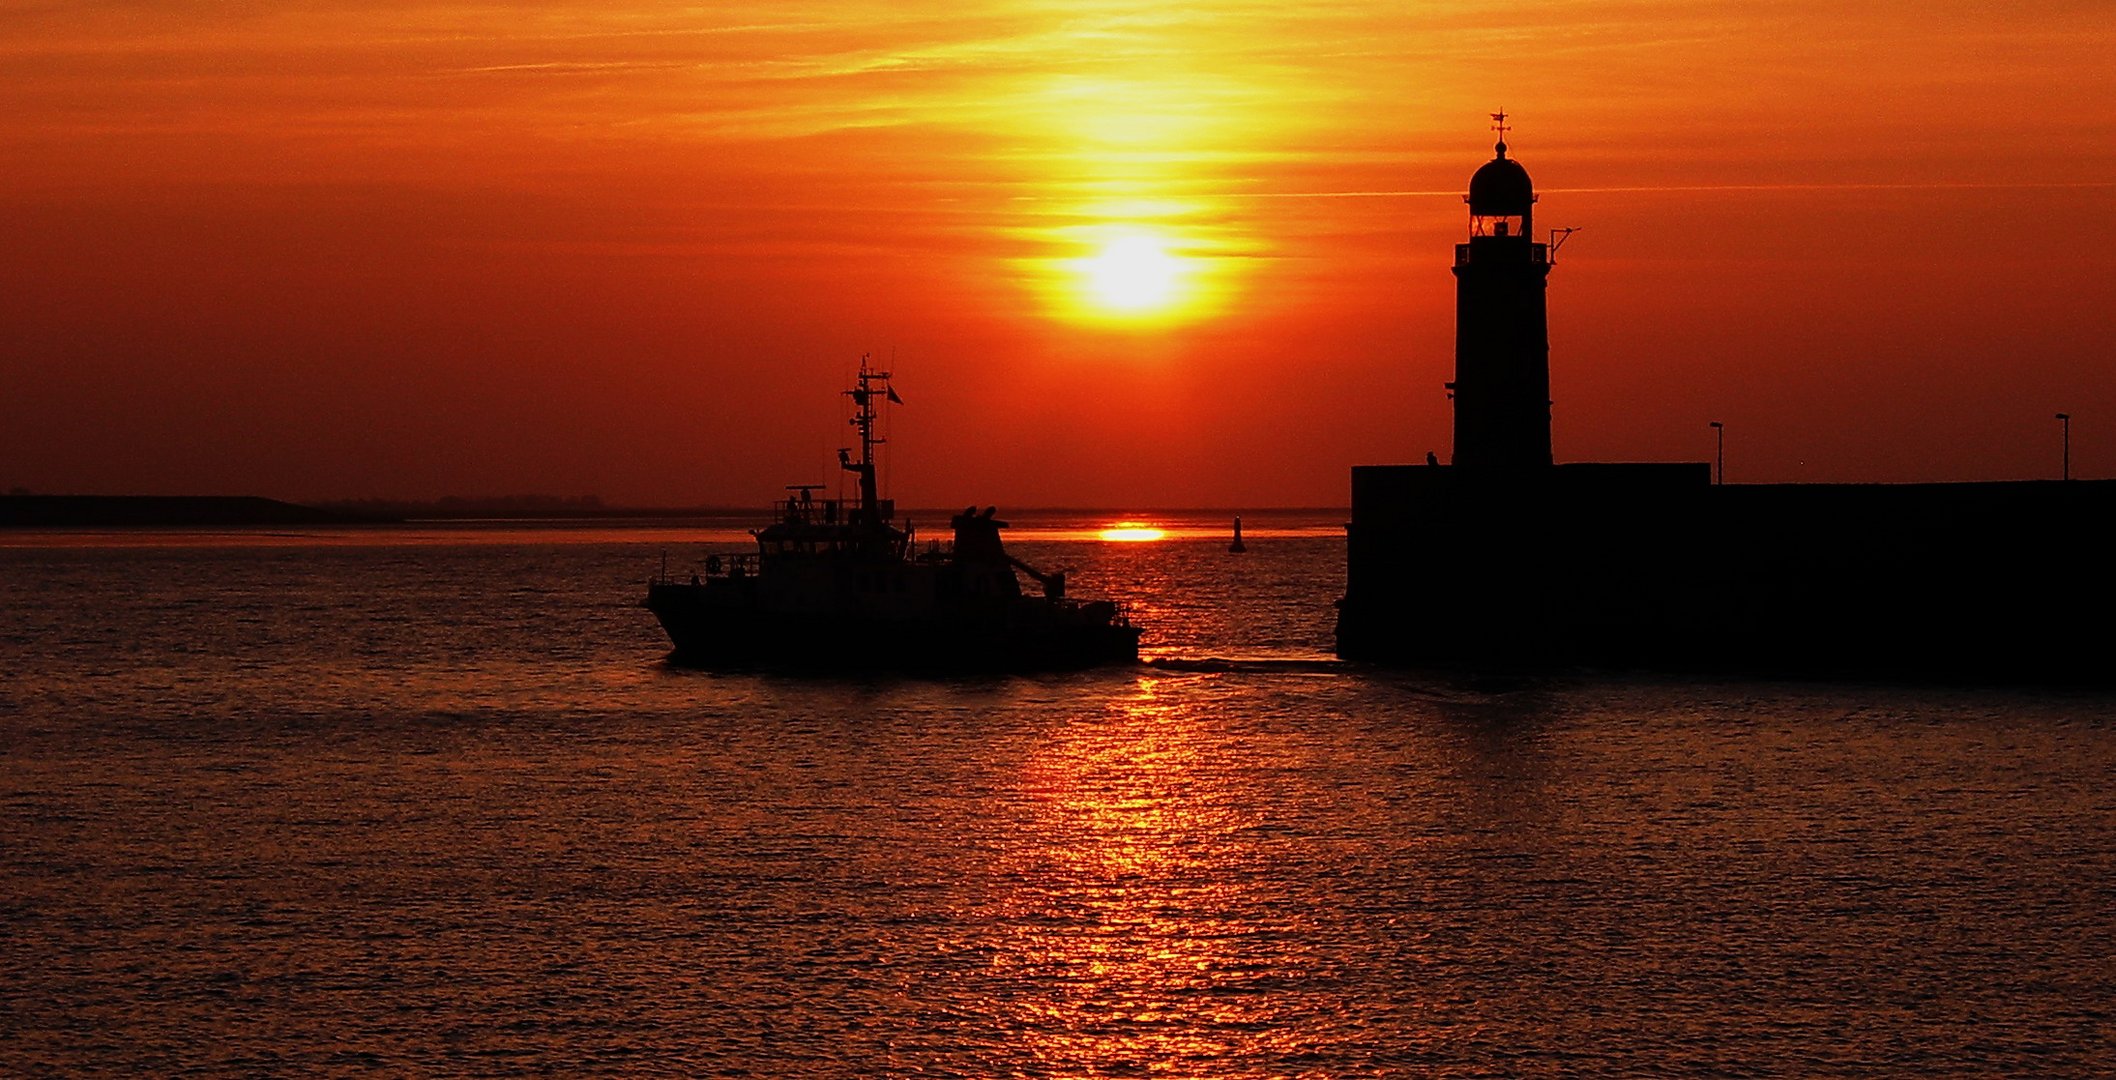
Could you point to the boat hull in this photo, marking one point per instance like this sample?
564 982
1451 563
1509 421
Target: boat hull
1021 635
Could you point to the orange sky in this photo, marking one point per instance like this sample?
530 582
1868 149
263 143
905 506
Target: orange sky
327 250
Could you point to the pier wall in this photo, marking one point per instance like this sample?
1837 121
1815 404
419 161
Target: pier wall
1653 566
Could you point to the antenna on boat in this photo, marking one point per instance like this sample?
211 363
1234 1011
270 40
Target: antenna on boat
868 383
888 423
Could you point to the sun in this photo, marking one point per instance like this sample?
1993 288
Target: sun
1127 269
1133 274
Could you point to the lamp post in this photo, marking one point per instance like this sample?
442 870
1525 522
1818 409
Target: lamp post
1719 434
2066 420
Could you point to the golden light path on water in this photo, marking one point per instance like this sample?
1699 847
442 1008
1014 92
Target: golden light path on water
1134 908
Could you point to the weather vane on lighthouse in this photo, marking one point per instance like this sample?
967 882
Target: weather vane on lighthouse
1499 124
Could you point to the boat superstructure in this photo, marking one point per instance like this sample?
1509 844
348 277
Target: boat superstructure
836 584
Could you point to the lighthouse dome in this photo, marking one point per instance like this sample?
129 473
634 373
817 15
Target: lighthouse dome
1501 188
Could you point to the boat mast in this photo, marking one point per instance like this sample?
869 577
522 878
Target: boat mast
863 394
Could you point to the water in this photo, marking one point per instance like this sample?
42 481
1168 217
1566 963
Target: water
426 801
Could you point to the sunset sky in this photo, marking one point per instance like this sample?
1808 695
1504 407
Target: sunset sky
1118 254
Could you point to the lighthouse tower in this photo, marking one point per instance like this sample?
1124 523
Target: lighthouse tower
1502 333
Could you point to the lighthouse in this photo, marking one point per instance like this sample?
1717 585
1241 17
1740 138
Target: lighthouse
1503 556
1502 333
1506 561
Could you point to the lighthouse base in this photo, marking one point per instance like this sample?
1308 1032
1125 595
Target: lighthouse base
1653 567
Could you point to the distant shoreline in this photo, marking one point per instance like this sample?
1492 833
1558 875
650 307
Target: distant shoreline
149 511
165 511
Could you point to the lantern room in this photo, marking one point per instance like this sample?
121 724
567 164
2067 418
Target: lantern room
1501 199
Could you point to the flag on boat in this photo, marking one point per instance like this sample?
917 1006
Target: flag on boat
893 397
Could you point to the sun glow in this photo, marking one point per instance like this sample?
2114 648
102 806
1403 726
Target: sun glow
1132 532
1132 217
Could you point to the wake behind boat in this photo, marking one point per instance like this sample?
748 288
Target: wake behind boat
833 586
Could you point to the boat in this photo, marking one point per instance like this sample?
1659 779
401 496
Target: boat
838 585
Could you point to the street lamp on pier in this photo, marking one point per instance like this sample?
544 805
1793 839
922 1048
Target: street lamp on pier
2066 420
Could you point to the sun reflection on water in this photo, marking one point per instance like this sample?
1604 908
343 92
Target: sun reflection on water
1133 532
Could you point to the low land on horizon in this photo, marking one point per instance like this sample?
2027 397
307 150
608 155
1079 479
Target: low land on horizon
26 510
589 506
146 511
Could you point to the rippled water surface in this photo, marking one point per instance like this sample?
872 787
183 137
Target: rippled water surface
427 801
